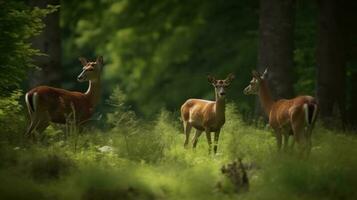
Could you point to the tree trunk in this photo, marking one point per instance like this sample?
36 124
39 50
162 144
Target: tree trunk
331 62
276 28
352 118
350 15
48 42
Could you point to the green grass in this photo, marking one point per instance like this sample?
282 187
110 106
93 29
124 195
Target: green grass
146 160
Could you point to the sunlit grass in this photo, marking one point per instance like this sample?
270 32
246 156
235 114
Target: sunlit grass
147 160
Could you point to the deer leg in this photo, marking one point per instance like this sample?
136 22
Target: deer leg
40 122
286 141
187 129
35 120
30 129
291 132
44 123
216 137
299 138
209 141
195 138
278 139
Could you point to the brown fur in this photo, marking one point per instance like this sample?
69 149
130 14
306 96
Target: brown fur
57 102
56 105
286 116
204 115
208 116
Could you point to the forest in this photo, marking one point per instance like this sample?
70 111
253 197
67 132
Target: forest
135 64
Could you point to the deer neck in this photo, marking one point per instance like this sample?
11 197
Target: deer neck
220 106
265 97
93 92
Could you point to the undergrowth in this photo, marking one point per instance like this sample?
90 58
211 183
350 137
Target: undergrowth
136 159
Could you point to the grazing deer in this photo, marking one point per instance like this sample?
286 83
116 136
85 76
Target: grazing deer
206 115
286 116
48 104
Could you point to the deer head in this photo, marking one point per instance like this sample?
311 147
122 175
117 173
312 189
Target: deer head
254 85
220 85
91 70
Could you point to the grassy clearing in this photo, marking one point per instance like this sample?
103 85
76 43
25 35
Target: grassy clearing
146 160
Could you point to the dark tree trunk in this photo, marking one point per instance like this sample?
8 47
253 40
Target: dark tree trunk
331 62
276 44
349 21
352 118
49 42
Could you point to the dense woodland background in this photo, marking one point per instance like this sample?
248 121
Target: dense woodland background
157 54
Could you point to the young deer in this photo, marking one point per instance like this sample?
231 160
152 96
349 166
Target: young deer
48 104
286 116
205 115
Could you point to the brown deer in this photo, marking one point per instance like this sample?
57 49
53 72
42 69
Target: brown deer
48 104
295 116
208 116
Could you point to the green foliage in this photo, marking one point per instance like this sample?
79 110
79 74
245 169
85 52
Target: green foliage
245 141
159 52
121 117
148 161
12 118
154 48
18 24
304 53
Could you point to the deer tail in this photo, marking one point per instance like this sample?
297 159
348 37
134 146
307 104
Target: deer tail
31 100
310 110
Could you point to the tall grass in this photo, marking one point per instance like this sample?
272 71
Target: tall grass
136 159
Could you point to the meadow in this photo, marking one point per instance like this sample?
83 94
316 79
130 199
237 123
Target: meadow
159 54
131 158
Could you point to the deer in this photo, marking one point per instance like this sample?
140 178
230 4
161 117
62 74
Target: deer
208 116
295 116
47 104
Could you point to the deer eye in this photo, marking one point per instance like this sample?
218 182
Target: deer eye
90 69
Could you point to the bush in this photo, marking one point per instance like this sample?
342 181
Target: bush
148 161
51 166
12 120
145 143
21 23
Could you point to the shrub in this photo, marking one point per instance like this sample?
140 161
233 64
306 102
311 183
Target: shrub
12 120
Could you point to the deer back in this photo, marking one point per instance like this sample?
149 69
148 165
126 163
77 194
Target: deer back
59 104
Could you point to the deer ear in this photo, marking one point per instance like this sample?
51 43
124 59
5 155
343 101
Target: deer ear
83 61
211 79
99 60
230 77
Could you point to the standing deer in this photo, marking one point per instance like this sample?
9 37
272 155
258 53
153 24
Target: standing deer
286 116
206 115
48 104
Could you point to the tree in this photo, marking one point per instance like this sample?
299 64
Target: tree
49 43
331 61
275 51
153 48
18 23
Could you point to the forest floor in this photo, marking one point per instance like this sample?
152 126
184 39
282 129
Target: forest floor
137 160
